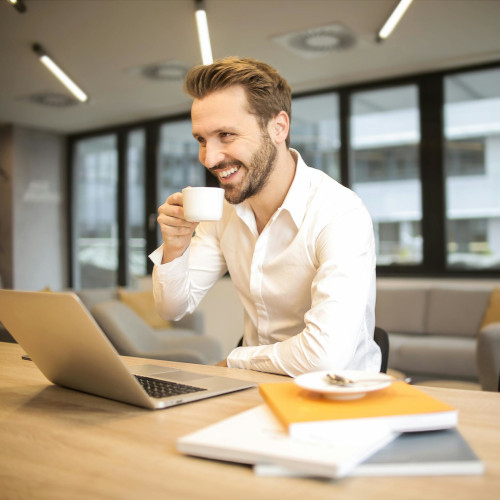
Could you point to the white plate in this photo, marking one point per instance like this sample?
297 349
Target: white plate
317 382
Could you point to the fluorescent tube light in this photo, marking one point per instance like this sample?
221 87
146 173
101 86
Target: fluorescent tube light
59 73
394 19
203 36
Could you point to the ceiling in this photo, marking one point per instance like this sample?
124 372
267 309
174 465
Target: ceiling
103 43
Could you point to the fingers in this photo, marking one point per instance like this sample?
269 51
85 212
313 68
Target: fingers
172 212
176 231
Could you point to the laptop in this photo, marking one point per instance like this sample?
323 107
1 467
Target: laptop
64 341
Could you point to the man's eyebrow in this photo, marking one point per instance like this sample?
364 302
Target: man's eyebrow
196 135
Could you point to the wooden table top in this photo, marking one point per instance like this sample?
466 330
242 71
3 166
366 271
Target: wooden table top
56 443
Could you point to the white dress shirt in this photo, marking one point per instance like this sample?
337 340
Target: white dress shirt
307 282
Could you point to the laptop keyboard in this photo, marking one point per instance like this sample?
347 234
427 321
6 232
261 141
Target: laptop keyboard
163 388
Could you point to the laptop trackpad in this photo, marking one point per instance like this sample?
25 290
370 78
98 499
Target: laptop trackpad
151 370
181 376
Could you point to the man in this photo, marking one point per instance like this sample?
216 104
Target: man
299 246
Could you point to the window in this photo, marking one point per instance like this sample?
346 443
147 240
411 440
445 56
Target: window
178 161
136 204
385 137
472 169
95 222
465 157
315 132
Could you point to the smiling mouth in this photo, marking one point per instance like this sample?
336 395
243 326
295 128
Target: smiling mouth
230 171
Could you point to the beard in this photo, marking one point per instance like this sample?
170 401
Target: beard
258 171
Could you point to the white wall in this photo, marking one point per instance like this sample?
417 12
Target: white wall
37 208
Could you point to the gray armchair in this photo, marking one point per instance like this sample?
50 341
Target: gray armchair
132 336
488 357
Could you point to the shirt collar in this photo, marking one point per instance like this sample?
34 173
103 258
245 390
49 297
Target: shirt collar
297 197
295 201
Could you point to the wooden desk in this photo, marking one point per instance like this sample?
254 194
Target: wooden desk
60 444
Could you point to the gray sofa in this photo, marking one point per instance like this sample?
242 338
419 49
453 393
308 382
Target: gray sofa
132 336
434 327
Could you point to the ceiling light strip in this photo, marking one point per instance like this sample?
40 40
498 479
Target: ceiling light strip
203 35
394 19
59 73
18 4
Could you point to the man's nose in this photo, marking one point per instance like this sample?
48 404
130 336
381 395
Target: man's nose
211 155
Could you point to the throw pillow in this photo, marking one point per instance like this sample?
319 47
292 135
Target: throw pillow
492 313
143 304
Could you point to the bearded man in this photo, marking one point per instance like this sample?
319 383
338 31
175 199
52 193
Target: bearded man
298 246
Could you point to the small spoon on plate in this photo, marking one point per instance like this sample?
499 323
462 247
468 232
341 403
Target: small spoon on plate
335 379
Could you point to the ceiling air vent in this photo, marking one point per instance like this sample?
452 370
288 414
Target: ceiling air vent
52 99
317 42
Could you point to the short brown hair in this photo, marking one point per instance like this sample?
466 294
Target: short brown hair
267 91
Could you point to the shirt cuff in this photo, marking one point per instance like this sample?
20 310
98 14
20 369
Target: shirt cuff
176 267
260 358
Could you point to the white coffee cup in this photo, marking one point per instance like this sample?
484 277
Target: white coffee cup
202 203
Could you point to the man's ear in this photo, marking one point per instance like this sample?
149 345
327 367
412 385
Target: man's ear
280 126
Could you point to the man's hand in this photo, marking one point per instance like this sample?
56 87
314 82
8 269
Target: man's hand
222 363
175 230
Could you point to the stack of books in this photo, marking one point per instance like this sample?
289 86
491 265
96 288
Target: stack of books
399 430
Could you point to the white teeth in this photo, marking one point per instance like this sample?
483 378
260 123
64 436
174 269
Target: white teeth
228 172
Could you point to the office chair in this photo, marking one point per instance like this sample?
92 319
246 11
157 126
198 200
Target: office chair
381 339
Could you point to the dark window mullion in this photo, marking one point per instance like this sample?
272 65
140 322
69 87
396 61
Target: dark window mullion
150 185
345 137
432 173
122 210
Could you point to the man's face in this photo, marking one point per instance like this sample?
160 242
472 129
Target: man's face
233 146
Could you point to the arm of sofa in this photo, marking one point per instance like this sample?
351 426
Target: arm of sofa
131 336
488 357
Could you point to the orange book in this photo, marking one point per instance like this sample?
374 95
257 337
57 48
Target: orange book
400 407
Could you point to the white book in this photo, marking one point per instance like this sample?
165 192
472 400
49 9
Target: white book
431 453
256 436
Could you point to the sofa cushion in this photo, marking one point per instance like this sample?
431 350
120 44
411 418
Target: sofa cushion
401 309
492 313
433 355
456 312
143 304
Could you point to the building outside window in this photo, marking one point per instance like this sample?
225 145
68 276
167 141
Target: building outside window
178 163
315 132
472 169
385 137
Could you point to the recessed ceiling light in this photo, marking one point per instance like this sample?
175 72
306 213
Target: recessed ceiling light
317 42
51 99
164 71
